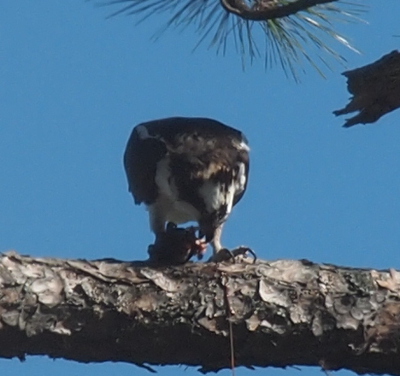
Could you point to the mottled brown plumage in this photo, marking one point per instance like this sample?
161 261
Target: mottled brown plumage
187 169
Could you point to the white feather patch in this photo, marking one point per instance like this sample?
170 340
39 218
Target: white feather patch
143 132
215 195
240 182
211 193
164 181
229 198
244 146
168 208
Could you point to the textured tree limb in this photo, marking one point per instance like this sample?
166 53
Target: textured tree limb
262 10
375 88
283 313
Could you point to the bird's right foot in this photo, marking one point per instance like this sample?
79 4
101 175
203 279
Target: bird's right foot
231 255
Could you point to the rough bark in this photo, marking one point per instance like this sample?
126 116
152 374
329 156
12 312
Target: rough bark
375 88
262 10
282 313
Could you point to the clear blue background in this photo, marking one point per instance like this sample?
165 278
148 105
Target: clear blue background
73 85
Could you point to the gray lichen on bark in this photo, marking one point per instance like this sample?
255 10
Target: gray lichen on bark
282 313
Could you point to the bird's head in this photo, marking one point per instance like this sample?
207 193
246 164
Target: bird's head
210 223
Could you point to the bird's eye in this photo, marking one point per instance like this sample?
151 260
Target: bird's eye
221 214
171 226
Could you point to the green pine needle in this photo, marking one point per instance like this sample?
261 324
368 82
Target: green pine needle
290 41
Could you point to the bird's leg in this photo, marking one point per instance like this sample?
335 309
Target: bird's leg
221 253
157 225
216 241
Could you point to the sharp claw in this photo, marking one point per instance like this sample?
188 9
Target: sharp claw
225 254
178 245
242 250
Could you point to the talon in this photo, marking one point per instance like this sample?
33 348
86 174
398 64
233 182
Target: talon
242 250
222 255
226 255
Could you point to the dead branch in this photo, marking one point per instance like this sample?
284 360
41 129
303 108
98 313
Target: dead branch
375 88
283 313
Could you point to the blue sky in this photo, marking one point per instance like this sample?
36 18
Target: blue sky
74 84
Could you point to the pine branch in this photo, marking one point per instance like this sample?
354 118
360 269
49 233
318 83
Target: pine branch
291 32
269 9
283 313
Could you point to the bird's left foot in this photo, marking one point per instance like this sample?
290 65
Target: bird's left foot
231 255
194 245
176 246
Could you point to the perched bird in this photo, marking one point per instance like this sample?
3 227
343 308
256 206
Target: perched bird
187 169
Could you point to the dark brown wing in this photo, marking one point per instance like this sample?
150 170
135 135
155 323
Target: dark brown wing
199 149
140 162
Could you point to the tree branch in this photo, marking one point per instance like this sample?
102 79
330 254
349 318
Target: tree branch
283 313
375 88
286 32
263 10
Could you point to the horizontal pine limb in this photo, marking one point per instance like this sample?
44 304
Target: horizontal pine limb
282 313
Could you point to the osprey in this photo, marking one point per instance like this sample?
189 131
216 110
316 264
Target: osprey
187 169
